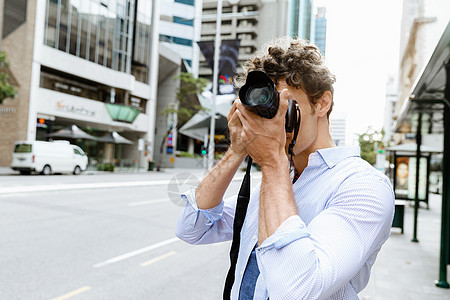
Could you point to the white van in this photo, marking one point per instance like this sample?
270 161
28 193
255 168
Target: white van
48 157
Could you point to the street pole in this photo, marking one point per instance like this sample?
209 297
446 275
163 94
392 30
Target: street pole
215 82
416 197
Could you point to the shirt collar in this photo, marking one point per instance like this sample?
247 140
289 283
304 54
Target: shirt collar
332 156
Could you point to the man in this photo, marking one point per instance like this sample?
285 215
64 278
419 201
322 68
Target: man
313 237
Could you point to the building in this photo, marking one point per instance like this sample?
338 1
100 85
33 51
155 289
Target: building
242 20
86 63
422 25
338 129
302 19
320 32
389 107
179 29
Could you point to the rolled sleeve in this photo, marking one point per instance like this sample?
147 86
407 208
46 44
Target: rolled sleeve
202 226
291 230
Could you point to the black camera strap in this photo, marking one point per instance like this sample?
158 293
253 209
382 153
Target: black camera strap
239 217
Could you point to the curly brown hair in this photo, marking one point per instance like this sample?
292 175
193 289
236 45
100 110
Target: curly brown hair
298 62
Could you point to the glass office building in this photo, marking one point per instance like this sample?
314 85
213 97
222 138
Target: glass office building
111 33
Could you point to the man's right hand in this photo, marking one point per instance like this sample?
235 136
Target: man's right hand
235 128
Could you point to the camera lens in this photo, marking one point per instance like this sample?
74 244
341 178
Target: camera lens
258 95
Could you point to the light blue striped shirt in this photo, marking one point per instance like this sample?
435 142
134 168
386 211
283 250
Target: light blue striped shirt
345 210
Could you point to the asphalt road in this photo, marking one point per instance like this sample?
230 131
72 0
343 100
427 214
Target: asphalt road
103 237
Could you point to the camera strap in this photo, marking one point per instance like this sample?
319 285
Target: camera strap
294 139
239 217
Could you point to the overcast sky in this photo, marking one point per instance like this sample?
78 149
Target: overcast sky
362 49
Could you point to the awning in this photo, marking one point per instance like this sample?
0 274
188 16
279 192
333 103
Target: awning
72 132
114 138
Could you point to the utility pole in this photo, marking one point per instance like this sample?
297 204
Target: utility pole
215 83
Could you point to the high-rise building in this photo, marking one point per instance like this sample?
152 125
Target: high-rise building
320 33
389 107
87 63
338 129
423 23
179 29
253 22
302 19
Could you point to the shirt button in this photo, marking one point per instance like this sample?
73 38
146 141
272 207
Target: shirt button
254 237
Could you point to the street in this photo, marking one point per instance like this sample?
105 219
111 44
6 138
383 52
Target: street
102 237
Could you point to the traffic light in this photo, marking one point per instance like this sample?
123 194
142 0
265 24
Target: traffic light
204 151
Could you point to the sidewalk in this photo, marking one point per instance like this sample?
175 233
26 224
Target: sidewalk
407 270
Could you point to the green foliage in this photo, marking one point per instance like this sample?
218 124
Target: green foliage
187 97
6 89
106 167
368 141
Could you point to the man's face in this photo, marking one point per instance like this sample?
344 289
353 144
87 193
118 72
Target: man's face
308 126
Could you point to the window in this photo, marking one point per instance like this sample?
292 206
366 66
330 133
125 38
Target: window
189 22
23 148
15 13
188 2
176 40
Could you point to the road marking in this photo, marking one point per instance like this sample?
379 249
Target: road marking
148 202
136 252
158 258
73 293
77 186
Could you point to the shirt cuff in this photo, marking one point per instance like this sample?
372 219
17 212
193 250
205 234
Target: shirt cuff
292 229
211 214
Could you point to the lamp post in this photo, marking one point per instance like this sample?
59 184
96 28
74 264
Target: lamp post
215 82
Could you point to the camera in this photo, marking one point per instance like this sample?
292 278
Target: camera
260 96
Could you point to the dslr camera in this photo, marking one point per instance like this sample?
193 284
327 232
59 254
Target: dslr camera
260 96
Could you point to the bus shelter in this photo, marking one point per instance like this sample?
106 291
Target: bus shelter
427 110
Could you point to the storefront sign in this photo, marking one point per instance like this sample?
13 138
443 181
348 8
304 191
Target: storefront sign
75 109
7 111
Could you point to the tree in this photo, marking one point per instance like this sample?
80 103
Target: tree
6 89
370 141
186 107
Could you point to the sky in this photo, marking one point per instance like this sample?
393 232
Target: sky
362 50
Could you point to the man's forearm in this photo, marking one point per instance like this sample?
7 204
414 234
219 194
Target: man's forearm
210 192
276 198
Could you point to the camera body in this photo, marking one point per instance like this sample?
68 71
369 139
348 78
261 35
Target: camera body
260 96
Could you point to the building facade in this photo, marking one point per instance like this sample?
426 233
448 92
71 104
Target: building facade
338 128
179 29
302 19
320 32
86 63
243 20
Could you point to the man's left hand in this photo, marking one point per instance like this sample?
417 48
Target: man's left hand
265 139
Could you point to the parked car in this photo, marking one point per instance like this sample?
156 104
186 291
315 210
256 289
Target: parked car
48 157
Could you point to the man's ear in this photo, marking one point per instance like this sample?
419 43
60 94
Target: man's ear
323 104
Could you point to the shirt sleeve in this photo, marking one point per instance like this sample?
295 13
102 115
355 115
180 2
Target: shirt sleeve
315 261
204 226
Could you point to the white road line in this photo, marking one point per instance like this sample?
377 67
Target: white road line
136 252
77 186
149 202
73 293
151 261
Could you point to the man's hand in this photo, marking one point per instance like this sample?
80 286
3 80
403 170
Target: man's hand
235 128
264 139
